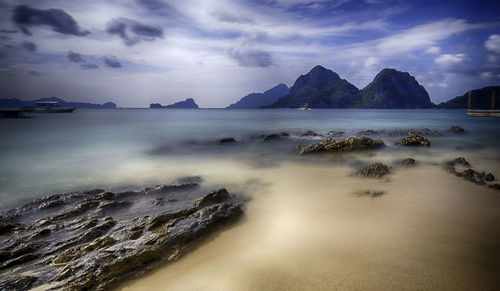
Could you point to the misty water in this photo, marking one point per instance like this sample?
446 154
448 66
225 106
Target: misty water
306 224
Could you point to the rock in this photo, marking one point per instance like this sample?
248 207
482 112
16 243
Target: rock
218 196
17 283
8 225
400 132
456 129
310 133
489 177
343 145
274 136
495 186
79 248
226 140
336 133
462 161
409 161
414 140
375 170
372 193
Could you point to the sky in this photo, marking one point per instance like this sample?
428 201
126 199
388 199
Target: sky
137 52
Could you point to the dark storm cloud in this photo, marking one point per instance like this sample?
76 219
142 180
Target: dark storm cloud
152 5
132 32
251 58
89 66
7 31
111 62
29 46
57 19
77 58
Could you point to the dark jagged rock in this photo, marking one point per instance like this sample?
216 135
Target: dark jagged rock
495 186
8 225
257 100
375 170
456 129
342 145
274 136
310 133
469 174
409 161
226 140
77 247
400 132
414 140
371 193
17 283
335 133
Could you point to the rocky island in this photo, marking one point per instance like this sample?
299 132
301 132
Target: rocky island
186 104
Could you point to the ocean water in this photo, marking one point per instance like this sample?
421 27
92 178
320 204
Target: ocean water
51 153
307 224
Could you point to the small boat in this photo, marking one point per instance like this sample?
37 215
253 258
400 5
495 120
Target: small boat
51 107
304 108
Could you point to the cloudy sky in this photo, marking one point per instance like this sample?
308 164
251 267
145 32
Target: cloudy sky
134 52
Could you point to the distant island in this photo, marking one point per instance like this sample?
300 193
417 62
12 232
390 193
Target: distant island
16 103
480 98
323 88
186 104
257 100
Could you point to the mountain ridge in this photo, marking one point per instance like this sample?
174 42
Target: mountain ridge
256 100
17 103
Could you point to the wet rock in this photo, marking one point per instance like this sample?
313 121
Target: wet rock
400 132
310 133
495 186
8 225
169 188
409 161
414 140
17 283
50 204
226 140
471 175
342 145
335 133
375 170
215 197
372 193
78 248
456 129
274 136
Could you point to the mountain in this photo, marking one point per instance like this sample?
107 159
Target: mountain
186 104
257 100
392 89
480 98
320 88
323 88
16 103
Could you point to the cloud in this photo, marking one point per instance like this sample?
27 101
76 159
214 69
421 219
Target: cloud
455 63
8 31
111 62
77 58
434 50
371 62
29 46
89 66
231 18
250 58
57 19
492 46
133 32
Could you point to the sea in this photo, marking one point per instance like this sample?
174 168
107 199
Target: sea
307 224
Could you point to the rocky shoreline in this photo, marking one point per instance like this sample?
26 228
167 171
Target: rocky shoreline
93 240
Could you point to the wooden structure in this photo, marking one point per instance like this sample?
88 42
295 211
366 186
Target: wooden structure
483 113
